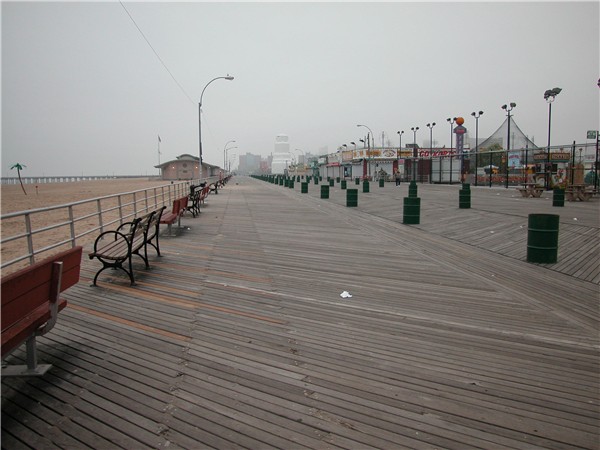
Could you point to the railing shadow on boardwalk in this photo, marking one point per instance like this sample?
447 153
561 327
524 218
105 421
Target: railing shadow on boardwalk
238 337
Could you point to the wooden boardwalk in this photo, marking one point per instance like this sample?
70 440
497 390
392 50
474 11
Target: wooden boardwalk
238 336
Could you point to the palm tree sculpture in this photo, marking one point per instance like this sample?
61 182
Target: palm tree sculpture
19 167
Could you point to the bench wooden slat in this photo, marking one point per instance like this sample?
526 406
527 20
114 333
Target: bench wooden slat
31 303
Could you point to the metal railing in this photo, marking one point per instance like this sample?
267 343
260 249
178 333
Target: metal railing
27 234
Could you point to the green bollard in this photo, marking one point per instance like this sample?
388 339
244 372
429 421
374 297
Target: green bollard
381 182
324 191
331 182
352 197
464 199
357 181
412 189
542 238
366 186
411 211
304 187
558 197
343 184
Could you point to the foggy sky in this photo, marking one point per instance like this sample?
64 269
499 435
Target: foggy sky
84 94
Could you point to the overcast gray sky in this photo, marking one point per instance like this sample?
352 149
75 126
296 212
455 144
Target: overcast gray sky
83 93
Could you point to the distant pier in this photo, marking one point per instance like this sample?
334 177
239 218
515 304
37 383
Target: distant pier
68 179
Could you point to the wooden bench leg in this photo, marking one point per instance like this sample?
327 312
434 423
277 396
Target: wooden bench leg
32 368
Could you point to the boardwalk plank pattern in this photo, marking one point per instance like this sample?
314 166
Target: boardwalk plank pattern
237 337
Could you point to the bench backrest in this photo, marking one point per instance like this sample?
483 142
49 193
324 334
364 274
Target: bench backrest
154 224
176 207
183 202
27 289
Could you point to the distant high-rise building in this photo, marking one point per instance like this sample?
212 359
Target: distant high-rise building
281 155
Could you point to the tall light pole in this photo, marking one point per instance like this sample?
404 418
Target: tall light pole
451 122
400 133
368 145
549 96
508 109
414 164
430 126
228 77
399 154
224 154
477 116
227 152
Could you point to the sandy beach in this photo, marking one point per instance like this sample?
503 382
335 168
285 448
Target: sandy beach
13 200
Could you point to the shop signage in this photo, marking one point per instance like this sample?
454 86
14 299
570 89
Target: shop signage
435 153
560 156
591 134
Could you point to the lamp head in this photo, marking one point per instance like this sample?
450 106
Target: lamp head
433 124
512 105
473 113
504 106
229 77
480 112
449 119
353 143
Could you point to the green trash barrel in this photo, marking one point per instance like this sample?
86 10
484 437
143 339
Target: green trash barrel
542 238
558 197
316 180
343 184
366 186
352 197
291 184
412 189
304 187
331 182
337 179
298 178
281 182
357 181
411 211
324 191
381 182
286 183
466 186
464 199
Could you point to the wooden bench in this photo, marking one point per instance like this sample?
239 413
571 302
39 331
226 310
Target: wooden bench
196 198
114 248
31 303
578 193
179 207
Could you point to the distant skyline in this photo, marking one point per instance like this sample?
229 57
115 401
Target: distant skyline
84 92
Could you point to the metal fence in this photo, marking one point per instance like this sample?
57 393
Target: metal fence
27 235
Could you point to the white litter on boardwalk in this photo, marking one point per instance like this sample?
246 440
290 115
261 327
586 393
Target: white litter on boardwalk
345 294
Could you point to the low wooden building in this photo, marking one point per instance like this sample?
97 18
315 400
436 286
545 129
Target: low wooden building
185 167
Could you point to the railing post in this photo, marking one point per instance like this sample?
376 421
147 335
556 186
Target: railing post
72 226
100 221
29 238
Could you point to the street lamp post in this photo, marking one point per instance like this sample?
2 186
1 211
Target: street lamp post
414 164
399 154
368 145
430 126
477 116
549 96
451 122
228 77
508 109
225 153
